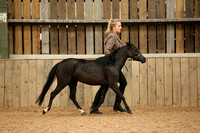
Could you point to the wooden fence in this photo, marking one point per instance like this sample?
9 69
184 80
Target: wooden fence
77 27
162 80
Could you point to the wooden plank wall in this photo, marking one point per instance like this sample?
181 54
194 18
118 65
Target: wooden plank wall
45 28
152 27
134 27
27 28
161 81
80 28
197 27
170 27
89 28
189 47
89 38
143 27
10 27
18 28
179 27
36 28
71 28
161 27
53 28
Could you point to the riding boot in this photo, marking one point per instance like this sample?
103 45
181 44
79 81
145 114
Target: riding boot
97 99
117 106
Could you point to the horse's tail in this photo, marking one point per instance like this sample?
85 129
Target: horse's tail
47 85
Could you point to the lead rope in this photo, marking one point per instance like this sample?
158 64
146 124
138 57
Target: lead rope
126 68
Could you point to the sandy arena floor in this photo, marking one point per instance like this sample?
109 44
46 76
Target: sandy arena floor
69 120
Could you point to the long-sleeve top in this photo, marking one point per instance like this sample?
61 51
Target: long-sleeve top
112 42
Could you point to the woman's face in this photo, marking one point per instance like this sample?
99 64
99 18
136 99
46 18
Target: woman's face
118 27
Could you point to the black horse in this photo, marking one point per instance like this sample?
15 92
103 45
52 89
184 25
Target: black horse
102 71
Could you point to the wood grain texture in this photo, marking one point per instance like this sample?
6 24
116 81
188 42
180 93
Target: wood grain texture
98 28
185 81
152 27
10 27
62 28
24 101
198 92
143 27
152 82
115 9
134 27
168 80
161 27
106 9
16 83
45 28
53 28
36 28
39 77
160 88
189 43
80 28
143 86
135 84
2 84
170 27
179 27
8 83
89 28
124 16
197 27
176 81
18 28
32 82
193 78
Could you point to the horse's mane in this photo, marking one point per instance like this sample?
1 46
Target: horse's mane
109 59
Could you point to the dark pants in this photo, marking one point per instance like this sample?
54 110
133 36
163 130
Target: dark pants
123 83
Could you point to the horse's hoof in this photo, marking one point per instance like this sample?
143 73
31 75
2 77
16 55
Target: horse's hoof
129 111
44 112
83 113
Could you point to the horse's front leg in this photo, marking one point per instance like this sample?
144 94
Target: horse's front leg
115 88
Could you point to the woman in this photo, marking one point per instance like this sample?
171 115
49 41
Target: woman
112 42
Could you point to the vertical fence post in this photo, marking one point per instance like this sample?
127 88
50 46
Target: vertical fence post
3 29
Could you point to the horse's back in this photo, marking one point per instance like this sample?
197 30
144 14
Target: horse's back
90 72
65 69
68 66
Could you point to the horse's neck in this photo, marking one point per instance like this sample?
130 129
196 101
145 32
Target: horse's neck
121 58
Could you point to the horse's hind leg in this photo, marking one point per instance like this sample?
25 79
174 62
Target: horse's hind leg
72 96
52 96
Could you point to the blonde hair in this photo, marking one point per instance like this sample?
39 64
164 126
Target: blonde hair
112 23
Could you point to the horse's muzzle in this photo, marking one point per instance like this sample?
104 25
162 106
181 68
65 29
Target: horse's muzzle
141 58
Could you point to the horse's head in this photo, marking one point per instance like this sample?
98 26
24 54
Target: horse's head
134 53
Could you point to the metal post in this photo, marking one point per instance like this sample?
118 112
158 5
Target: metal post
4 29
